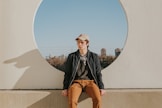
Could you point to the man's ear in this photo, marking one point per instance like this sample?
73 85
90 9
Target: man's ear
87 43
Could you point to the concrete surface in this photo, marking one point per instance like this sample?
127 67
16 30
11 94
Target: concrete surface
114 98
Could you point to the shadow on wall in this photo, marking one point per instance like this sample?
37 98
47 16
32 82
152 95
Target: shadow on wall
50 101
38 75
54 100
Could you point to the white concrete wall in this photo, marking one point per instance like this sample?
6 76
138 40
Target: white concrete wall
138 66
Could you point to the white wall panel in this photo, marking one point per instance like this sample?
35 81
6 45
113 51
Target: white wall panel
22 66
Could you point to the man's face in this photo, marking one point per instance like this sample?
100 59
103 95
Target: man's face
82 44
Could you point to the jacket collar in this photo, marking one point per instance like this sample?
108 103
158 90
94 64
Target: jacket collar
78 53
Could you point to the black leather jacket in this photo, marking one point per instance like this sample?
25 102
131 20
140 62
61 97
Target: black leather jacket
71 68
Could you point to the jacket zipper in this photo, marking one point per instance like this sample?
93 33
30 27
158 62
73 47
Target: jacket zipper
92 73
74 73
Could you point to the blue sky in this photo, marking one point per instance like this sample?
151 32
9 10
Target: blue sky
58 22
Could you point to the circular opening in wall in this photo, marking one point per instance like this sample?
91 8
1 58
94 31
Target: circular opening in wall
58 23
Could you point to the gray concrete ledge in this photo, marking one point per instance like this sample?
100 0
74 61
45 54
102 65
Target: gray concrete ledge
114 98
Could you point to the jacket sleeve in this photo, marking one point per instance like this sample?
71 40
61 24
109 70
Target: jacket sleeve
67 72
98 73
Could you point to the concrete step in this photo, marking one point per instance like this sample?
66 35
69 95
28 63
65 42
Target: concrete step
114 98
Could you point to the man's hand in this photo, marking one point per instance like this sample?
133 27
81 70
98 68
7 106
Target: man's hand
102 91
64 92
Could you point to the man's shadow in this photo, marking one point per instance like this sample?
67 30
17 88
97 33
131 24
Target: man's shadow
39 74
54 100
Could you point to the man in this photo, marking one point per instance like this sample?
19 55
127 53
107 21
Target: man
83 73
